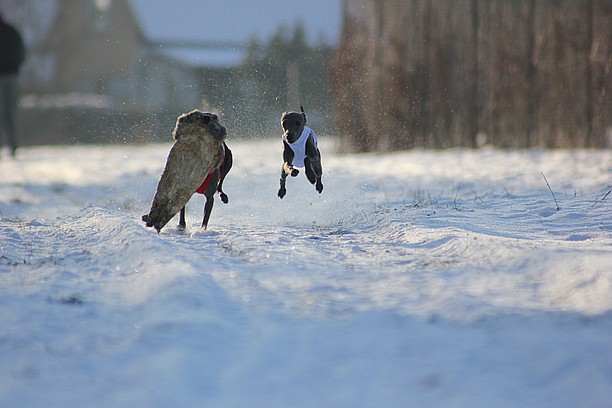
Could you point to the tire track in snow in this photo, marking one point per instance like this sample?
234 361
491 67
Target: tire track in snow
407 259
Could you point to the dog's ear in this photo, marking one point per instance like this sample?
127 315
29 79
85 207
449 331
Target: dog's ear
182 120
303 113
180 124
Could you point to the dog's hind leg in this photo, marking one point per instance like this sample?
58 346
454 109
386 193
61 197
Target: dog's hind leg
318 184
182 224
209 193
210 201
312 162
311 175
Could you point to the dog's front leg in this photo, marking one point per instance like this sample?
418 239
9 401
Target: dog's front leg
225 168
283 179
288 156
287 169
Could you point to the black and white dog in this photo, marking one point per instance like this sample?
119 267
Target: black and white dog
300 149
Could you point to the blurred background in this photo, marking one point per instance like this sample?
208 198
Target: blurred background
378 75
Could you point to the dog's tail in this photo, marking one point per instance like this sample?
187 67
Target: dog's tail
303 113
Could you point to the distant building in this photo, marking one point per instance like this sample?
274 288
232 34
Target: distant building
131 66
92 75
97 47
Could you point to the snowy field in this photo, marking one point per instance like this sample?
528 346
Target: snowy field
417 279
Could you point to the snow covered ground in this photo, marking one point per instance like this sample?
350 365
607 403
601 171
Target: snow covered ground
417 279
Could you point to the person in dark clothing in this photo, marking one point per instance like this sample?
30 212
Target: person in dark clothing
12 54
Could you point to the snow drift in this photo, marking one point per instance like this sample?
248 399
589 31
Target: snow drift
419 278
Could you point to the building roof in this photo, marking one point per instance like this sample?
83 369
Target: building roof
182 28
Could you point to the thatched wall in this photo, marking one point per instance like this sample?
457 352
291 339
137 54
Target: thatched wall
436 74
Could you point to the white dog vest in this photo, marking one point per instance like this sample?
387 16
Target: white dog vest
299 146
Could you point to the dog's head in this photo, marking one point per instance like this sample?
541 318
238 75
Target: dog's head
197 119
293 125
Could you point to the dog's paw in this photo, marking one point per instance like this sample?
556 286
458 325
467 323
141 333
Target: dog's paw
281 192
145 217
224 198
319 186
294 172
